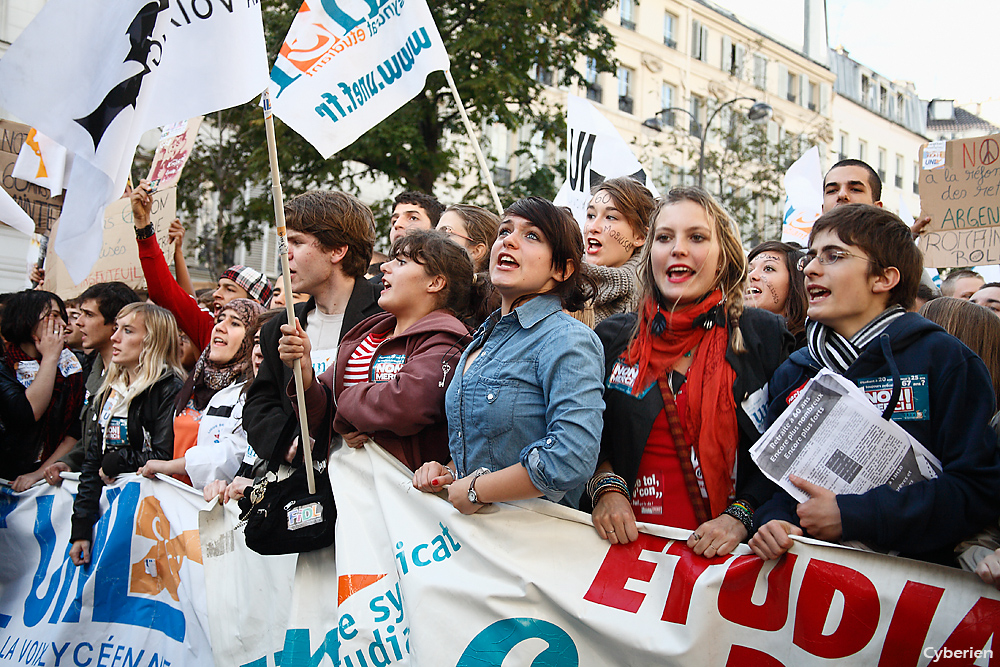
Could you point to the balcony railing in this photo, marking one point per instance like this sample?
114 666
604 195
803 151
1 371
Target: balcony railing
501 176
628 25
899 182
625 104
594 93
670 41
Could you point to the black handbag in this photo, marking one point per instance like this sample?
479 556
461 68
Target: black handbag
282 517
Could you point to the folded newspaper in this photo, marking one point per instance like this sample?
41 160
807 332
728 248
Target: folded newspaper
832 436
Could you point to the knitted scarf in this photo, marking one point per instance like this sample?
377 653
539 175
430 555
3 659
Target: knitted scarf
710 417
208 377
837 353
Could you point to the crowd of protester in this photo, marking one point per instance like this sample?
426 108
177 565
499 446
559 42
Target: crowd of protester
623 367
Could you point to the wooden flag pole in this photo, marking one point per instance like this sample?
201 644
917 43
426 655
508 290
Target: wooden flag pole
286 281
475 143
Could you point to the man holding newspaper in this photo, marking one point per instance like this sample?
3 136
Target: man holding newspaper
914 487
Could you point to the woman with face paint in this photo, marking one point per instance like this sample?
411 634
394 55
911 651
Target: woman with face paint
614 234
775 283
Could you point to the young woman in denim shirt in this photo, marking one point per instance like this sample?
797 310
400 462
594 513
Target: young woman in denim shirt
686 386
524 409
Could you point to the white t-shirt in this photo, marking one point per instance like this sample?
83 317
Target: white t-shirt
324 335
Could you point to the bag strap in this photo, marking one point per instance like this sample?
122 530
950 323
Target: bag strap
278 453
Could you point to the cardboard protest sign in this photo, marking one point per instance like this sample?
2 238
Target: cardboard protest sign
172 153
119 259
960 190
37 201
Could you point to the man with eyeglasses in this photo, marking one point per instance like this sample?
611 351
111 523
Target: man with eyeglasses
862 272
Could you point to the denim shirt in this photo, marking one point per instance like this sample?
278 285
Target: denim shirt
534 395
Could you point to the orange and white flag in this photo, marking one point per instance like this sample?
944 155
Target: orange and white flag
42 161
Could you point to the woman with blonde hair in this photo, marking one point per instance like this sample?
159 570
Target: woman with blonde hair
685 386
135 422
615 232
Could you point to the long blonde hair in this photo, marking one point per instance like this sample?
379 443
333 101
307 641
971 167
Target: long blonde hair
160 351
733 274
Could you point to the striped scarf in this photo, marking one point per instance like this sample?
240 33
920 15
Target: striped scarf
837 353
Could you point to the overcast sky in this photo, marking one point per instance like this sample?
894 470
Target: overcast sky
947 49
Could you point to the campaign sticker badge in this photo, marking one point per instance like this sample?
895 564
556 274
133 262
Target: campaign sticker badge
624 377
914 402
385 367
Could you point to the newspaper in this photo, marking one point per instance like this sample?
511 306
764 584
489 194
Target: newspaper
832 436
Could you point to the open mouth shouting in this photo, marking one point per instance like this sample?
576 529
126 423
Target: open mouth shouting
679 273
817 293
594 245
506 261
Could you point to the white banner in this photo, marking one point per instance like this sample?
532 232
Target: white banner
94 75
140 603
531 583
341 71
596 152
803 197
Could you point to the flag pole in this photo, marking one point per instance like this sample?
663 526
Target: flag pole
286 281
475 143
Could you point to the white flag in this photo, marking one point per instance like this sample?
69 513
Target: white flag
803 197
340 73
41 161
14 216
94 75
596 152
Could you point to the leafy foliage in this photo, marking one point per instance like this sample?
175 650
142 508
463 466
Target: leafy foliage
493 47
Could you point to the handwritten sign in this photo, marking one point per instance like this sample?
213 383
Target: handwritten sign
172 153
960 190
37 201
119 259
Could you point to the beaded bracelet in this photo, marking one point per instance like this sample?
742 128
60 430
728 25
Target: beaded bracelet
742 512
603 482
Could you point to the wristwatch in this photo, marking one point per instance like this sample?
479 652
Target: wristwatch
473 498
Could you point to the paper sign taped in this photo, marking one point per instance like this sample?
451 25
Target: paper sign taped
934 155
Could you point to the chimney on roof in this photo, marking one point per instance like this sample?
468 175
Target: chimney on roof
941 110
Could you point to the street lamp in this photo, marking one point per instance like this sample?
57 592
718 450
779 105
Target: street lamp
757 114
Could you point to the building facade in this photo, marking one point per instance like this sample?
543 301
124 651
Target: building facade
882 122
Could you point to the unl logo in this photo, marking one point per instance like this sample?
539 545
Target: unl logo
125 94
57 597
161 568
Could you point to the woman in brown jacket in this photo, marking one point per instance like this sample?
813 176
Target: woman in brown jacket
393 368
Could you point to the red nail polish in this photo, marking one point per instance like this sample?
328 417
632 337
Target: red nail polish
434 482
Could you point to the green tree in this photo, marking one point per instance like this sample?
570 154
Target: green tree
493 47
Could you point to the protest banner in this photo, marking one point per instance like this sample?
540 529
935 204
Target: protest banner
596 152
140 603
417 582
960 190
119 256
172 152
37 201
340 73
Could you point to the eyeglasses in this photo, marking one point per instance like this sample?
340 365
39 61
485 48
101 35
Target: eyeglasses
451 232
826 257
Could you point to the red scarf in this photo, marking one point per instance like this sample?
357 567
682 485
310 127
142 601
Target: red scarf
710 417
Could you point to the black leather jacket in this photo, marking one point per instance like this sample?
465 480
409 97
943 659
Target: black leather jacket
150 436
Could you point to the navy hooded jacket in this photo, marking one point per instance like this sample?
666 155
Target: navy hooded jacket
946 404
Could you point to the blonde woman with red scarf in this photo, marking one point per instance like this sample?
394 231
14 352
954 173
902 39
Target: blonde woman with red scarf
686 386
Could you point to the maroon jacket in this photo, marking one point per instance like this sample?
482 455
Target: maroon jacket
405 414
